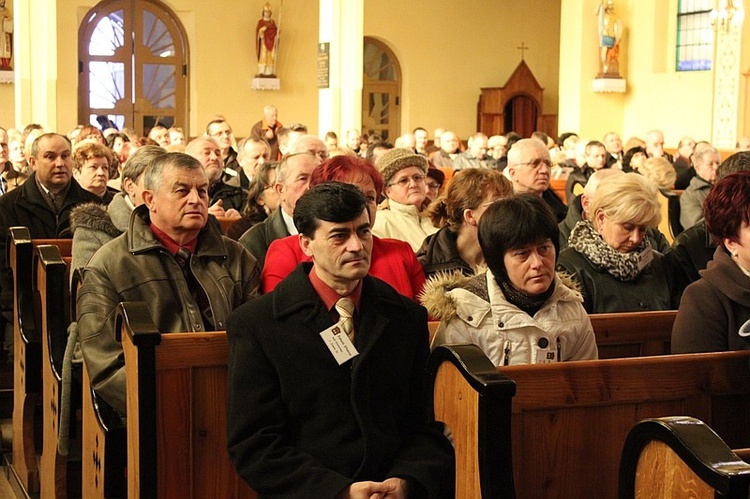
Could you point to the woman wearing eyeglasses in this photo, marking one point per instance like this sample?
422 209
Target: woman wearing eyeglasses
399 216
609 255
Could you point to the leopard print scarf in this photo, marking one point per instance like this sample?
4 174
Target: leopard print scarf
588 242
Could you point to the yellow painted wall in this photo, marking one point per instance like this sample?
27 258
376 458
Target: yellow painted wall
222 61
660 97
449 50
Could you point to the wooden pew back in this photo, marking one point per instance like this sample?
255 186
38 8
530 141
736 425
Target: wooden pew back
54 299
27 351
103 438
633 334
177 411
570 420
625 334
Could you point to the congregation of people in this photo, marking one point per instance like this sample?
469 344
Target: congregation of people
285 239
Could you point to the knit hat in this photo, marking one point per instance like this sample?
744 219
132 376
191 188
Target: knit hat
397 159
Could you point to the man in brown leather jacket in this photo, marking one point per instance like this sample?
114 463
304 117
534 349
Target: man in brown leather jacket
190 276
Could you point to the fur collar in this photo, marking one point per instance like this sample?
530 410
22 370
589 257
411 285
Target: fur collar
93 216
442 306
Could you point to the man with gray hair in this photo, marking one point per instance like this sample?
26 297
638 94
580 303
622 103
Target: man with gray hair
705 161
449 150
475 156
190 276
529 167
292 180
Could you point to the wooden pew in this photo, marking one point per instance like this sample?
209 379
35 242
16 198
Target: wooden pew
27 353
176 411
558 186
625 334
52 274
103 436
569 420
676 457
633 334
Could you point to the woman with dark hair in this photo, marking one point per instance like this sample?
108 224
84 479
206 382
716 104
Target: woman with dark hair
633 159
262 200
520 311
455 247
392 261
714 313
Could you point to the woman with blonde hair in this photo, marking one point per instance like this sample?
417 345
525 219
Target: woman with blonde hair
455 247
660 171
609 255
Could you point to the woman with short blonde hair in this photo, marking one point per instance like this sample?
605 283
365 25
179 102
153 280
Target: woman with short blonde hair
660 171
609 255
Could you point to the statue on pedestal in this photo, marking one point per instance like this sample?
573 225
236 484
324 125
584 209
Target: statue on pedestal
266 42
610 33
6 37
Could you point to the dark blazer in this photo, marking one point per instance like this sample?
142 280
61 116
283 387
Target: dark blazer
302 426
25 206
260 236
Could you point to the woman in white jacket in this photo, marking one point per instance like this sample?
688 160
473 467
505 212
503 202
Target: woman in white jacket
520 311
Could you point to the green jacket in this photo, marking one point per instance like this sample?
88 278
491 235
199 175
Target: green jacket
136 267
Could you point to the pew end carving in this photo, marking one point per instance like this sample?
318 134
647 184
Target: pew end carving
176 410
676 457
474 400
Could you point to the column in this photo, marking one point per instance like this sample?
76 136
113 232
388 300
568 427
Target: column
340 105
727 71
35 62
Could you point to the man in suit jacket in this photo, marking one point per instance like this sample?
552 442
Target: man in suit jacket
292 180
316 409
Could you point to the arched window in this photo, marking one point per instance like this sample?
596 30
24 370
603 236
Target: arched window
132 66
381 91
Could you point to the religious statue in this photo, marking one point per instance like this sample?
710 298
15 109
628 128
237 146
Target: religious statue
266 42
610 33
6 37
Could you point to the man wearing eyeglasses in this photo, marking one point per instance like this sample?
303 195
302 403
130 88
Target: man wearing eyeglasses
220 130
292 180
529 168
309 144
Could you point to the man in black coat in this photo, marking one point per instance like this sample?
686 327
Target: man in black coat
316 408
43 203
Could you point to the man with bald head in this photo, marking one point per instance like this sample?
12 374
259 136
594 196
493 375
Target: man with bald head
655 145
225 200
267 129
449 150
310 144
292 180
529 167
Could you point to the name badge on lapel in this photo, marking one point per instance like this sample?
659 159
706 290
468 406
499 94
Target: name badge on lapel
339 344
645 257
545 352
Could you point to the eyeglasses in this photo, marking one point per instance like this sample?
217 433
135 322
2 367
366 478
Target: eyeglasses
323 154
404 181
433 185
537 163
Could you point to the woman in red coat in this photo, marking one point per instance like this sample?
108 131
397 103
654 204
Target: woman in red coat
392 261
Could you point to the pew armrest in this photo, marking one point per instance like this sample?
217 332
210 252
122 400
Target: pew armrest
474 400
682 456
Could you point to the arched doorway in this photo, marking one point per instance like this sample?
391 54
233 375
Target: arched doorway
520 115
133 66
381 91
